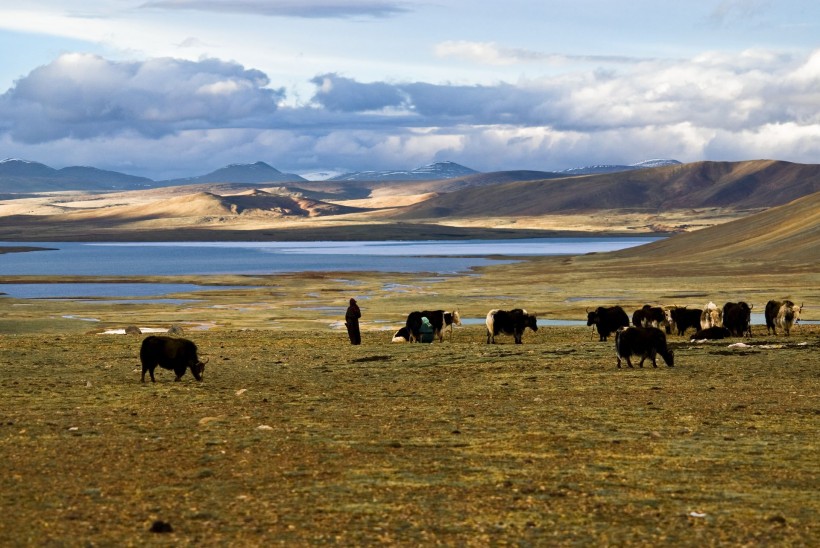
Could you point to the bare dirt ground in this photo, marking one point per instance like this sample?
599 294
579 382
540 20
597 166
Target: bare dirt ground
296 437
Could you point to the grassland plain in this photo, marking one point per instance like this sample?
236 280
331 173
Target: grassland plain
296 437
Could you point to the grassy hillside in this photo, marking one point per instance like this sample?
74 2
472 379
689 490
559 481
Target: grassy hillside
783 234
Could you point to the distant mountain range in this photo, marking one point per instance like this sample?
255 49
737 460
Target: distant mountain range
256 173
694 195
438 170
753 184
25 176
610 168
21 176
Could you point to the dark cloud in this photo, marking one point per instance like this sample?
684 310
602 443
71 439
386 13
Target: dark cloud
85 96
436 104
312 9
336 93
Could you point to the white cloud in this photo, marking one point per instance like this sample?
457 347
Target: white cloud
85 96
180 117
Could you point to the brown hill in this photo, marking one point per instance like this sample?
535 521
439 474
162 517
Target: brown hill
359 190
785 234
206 204
737 185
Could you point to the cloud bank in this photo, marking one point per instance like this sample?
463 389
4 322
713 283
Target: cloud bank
310 9
187 117
84 96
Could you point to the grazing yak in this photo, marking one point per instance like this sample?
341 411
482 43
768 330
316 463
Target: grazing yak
711 334
401 336
645 342
737 318
170 353
712 316
650 316
782 314
607 320
683 318
509 322
439 320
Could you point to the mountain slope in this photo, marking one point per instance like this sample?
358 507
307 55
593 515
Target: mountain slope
256 173
610 168
739 185
786 233
254 203
22 176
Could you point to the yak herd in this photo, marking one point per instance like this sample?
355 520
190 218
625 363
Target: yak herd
644 337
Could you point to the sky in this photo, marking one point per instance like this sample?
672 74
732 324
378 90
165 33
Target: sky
176 88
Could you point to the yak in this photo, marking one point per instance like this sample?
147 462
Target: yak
737 318
782 314
170 353
712 316
510 322
651 316
645 342
711 334
439 319
607 320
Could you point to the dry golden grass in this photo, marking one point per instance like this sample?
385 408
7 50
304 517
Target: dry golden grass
299 438
295 437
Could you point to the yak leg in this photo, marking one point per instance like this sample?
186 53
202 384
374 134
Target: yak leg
180 370
150 370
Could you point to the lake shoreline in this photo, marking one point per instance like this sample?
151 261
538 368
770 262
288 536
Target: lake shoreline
23 249
340 233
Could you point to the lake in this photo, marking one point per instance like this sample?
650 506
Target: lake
264 258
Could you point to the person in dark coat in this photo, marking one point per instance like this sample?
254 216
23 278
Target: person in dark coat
352 322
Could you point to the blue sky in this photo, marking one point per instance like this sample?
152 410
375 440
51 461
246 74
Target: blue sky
169 88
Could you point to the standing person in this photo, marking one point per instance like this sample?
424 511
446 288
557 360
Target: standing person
352 322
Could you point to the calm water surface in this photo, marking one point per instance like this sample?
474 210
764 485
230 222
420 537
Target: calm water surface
260 258
189 258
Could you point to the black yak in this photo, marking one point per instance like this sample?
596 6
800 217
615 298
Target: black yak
711 333
170 353
607 320
510 322
645 342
